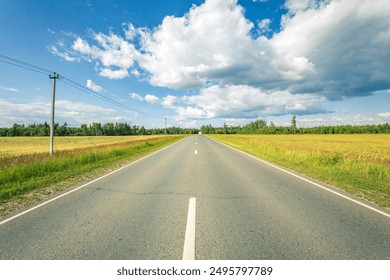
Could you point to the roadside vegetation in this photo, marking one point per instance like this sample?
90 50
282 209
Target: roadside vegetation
93 129
262 127
358 163
23 171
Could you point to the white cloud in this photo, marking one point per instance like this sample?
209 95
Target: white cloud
152 99
245 102
385 115
301 5
63 54
91 85
136 73
346 41
213 43
79 112
113 54
326 49
11 113
317 51
130 31
50 31
114 74
264 25
170 101
38 111
136 96
10 89
185 113
82 107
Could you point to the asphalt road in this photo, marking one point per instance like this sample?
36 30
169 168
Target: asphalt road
241 209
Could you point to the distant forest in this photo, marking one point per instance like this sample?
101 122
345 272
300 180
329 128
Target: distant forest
261 127
94 129
123 129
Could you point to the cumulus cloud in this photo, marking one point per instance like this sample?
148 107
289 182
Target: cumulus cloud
11 112
113 54
385 115
136 96
246 102
264 25
302 5
38 111
170 101
114 74
326 50
82 107
152 99
213 42
346 41
80 112
91 85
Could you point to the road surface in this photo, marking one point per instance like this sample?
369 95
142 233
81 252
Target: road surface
198 199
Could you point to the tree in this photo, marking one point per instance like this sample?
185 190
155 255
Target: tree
294 122
96 129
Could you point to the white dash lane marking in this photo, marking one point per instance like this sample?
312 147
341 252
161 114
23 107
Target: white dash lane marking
189 242
196 152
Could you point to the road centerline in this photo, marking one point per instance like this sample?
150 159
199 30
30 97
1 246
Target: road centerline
189 242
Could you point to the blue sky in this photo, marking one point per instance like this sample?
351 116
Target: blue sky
197 62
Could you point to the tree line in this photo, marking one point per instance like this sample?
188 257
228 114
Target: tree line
261 127
94 129
123 129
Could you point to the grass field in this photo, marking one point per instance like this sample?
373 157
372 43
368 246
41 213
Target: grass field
25 164
359 164
11 146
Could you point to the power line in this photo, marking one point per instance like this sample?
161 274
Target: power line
44 71
101 96
25 65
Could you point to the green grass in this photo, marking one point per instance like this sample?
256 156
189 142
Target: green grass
35 172
358 164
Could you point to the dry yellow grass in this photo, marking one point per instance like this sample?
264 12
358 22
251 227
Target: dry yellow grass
27 170
374 148
13 146
359 164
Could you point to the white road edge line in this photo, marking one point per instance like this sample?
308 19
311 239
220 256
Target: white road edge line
86 184
307 180
189 242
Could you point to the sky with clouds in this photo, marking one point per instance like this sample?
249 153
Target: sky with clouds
198 62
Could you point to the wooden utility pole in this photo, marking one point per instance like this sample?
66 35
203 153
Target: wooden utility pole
54 77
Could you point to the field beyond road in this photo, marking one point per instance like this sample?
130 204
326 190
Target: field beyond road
28 173
358 163
13 146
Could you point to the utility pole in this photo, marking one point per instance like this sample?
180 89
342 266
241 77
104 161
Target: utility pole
54 77
165 124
